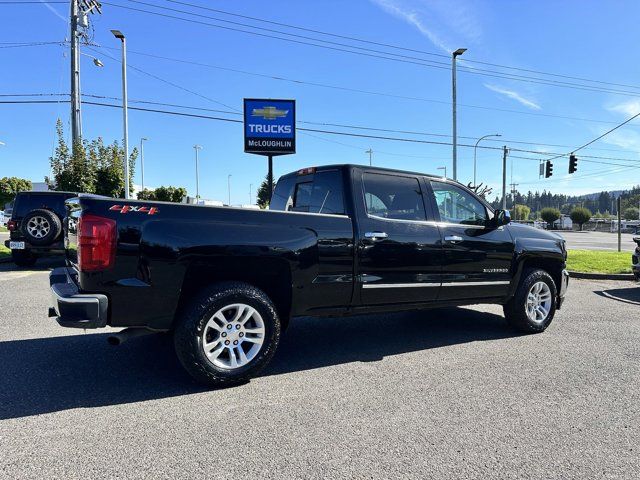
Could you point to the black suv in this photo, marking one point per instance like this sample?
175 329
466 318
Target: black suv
36 226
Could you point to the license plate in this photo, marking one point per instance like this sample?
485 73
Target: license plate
16 245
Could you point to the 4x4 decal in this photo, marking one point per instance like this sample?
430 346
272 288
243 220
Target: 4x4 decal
134 208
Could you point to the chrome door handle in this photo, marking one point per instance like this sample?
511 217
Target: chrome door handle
452 239
375 235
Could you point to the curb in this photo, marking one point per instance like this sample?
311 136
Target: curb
602 276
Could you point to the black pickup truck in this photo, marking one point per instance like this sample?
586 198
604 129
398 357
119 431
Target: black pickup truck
337 240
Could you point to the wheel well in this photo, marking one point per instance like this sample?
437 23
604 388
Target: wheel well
550 265
272 276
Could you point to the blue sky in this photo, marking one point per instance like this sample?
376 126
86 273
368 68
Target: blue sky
588 39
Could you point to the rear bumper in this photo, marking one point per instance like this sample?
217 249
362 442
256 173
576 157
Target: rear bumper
564 285
72 308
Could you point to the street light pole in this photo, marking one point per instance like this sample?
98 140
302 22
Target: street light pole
475 148
250 196
454 95
229 188
445 170
142 140
197 148
125 114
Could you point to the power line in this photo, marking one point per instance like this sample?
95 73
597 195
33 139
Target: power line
376 54
355 90
296 27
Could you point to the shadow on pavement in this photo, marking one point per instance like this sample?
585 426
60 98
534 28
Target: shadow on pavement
42 264
81 371
627 295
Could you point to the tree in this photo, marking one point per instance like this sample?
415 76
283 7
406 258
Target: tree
521 212
164 194
550 215
9 186
580 215
263 193
90 167
631 213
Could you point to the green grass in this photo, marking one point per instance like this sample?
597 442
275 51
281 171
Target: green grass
591 261
3 229
4 251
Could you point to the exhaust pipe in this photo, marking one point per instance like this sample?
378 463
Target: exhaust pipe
122 336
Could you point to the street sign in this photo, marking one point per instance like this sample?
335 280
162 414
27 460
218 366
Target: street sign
269 126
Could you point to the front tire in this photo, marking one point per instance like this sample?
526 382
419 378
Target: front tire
227 334
23 258
533 307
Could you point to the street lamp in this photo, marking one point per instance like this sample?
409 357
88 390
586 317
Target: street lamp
445 171
475 148
142 140
370 152
229 188
125 117
454 55
197 148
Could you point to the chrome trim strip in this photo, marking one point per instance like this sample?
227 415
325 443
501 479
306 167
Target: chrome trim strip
399 285
475 284
428 222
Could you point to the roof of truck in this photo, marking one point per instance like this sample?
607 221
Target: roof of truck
365 167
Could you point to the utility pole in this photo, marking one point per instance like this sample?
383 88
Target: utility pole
229 188
76 119
250 196
513 193
78 18
197 148
618 204
505 150
454 97
370 152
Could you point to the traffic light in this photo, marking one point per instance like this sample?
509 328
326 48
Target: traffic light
548 169
573 163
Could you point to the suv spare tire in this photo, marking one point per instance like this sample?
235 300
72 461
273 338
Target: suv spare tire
41 227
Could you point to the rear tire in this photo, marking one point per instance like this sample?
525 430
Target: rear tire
533 307
23 258
227 333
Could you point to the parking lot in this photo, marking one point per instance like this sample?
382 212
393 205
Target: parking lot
449 393
598 240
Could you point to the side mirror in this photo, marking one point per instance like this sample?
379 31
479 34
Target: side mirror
501 217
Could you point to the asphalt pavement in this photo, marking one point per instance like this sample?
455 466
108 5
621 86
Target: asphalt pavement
449 393
598 241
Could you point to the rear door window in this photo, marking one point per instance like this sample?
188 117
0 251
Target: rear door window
320 193
393 197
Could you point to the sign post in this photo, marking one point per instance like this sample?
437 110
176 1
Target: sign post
269 130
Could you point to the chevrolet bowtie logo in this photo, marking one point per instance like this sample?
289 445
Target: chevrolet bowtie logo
269 113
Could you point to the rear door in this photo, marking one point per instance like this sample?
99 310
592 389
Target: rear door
322 192
477 255
398 248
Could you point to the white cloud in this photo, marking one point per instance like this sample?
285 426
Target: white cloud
55 12
514 96
429 17
412 18
628 108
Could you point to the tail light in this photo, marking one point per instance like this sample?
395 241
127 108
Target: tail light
12 225
96 243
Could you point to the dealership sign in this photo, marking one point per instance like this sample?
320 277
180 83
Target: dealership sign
269 126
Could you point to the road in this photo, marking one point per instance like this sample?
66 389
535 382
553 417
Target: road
449 393
598 241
